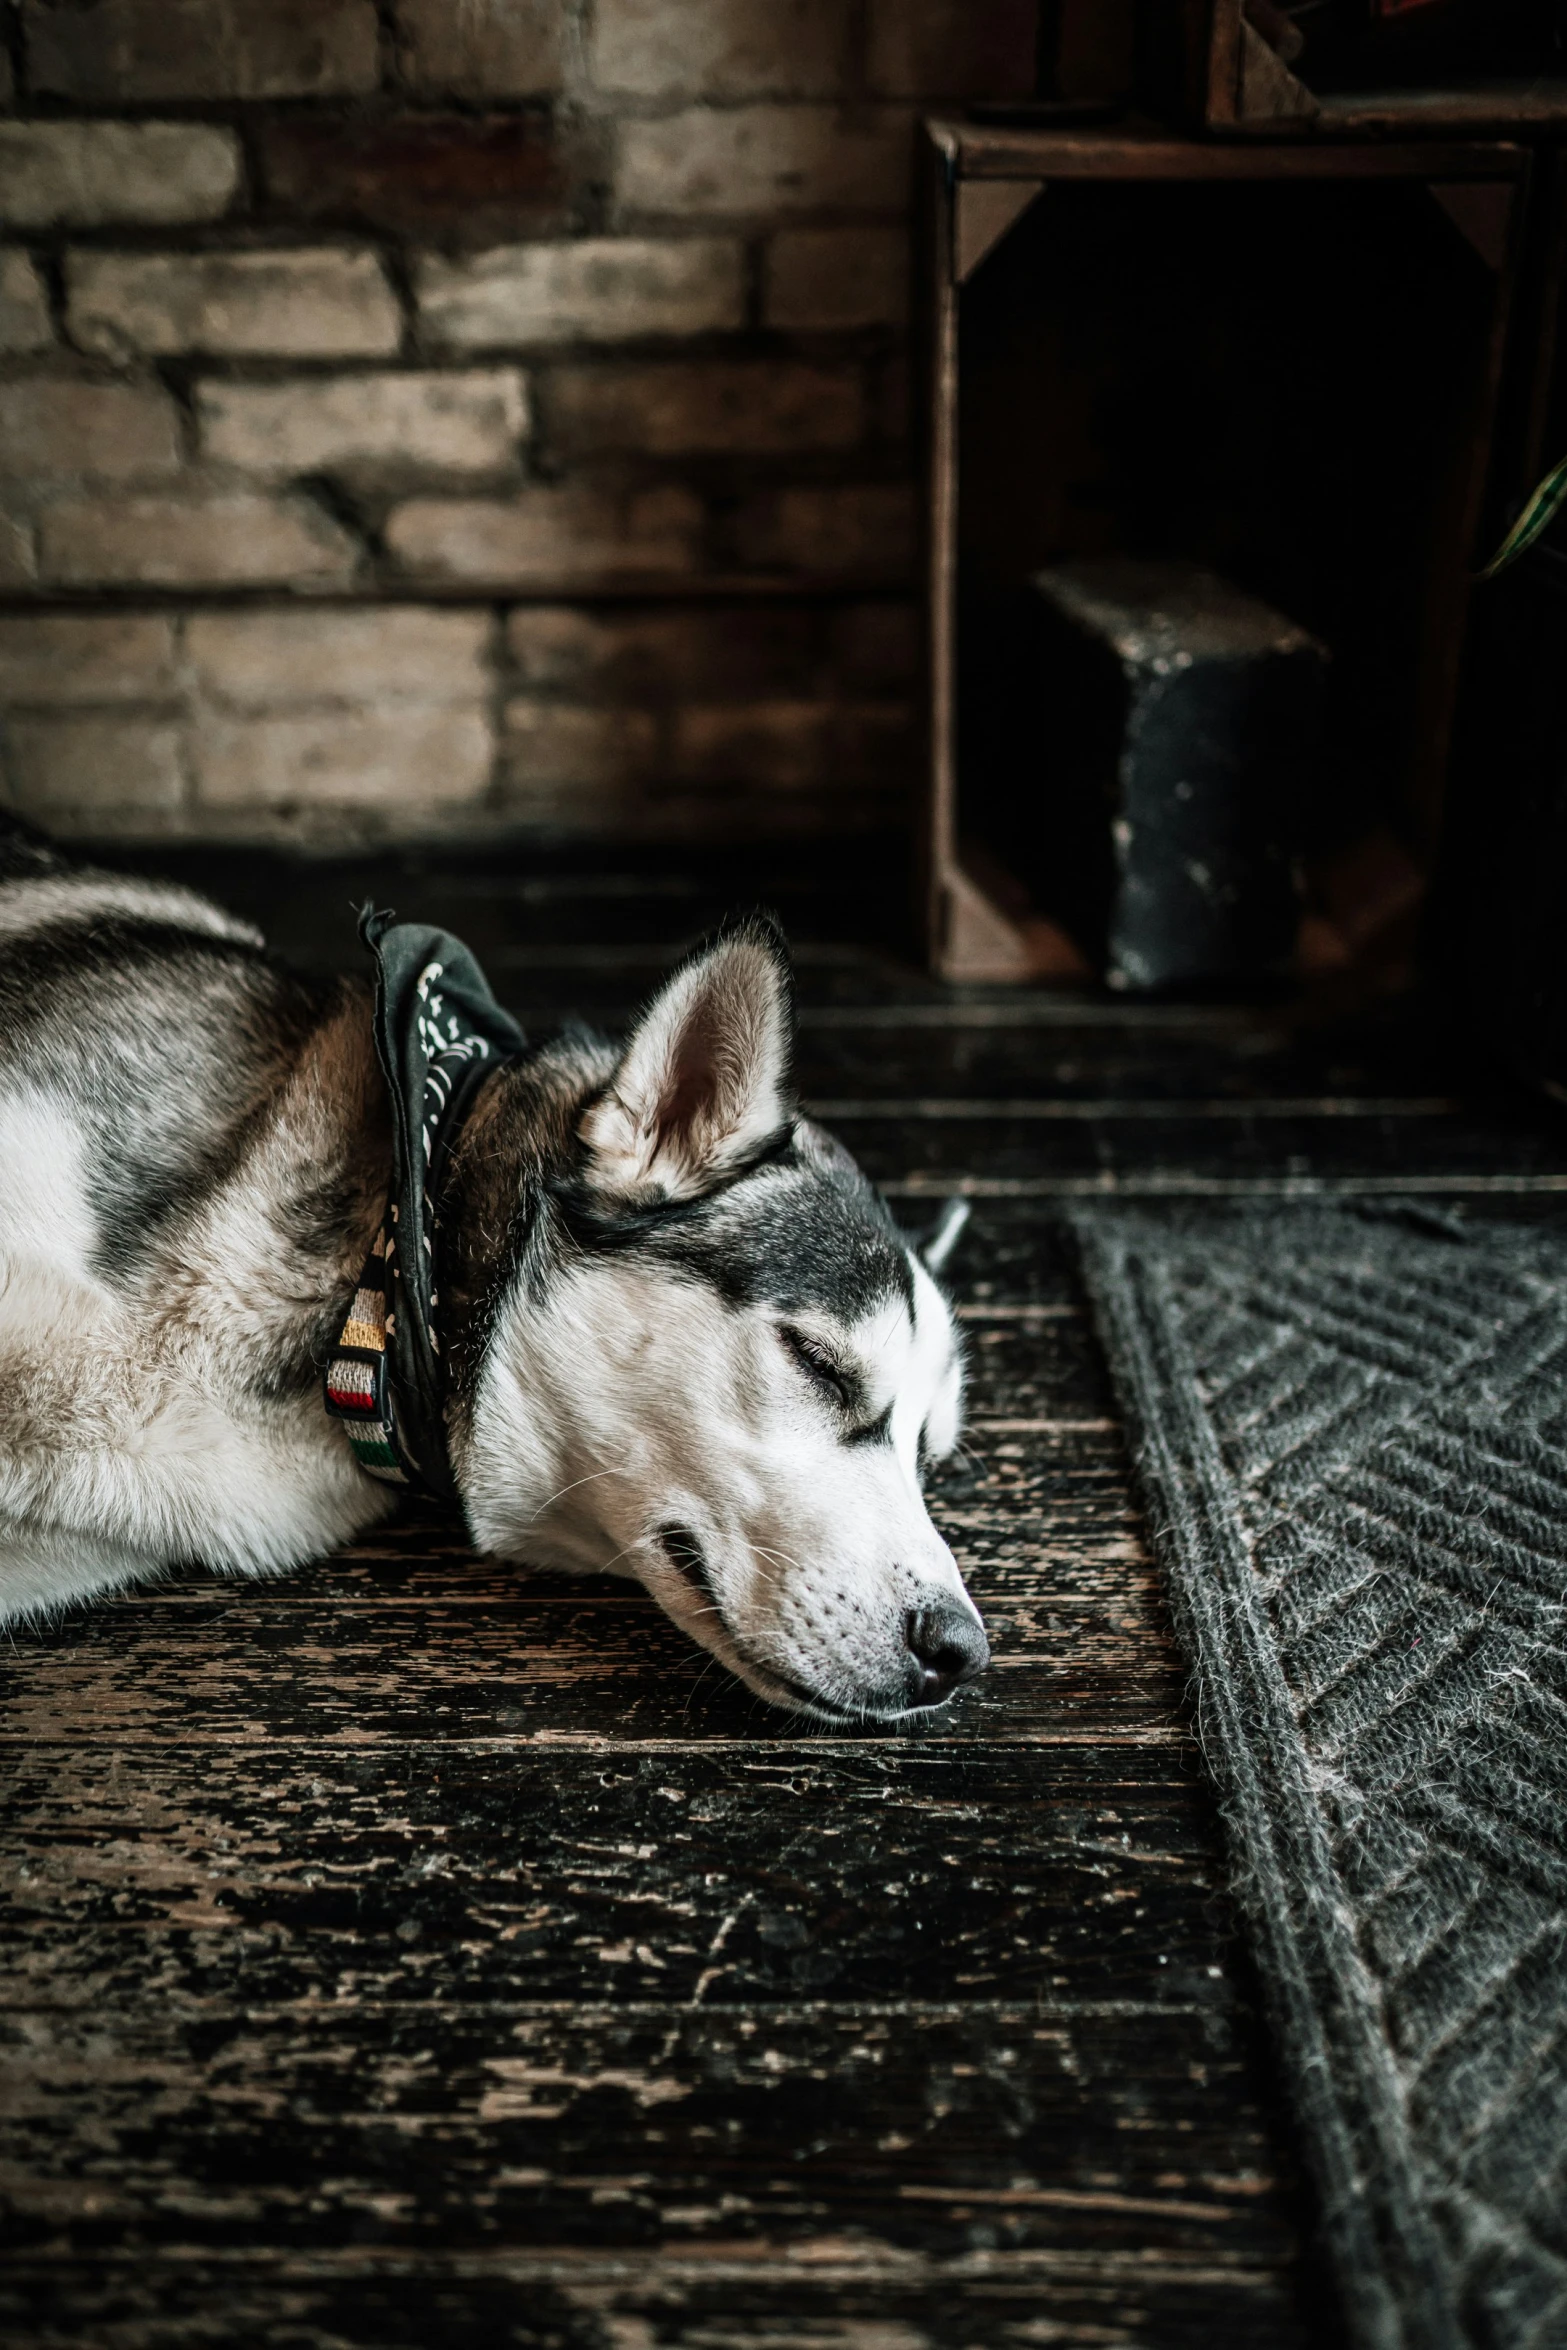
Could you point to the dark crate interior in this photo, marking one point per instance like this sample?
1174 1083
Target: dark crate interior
1457 45
1280 381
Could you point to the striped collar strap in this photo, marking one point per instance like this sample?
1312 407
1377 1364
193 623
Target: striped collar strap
358 1388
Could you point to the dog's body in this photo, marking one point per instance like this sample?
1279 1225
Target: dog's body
682 1338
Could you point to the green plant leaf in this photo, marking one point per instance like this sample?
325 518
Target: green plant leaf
1540 510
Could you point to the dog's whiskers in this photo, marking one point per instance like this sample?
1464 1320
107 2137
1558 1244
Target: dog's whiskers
623 1552
757 1556
696 1685
780 1557
591 1479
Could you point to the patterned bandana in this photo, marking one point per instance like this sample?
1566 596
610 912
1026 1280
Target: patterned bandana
438 1033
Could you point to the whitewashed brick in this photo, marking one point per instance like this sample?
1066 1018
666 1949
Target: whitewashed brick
18 562
766 746
860 527
317 304
837 278
554 645
71 658
597 289
876 746
482 48
24 310
413 763
719 48
876 647
553 751
119 50
86 174
195 542
58 426
791 746
707 651
741 407
895 406
469 422
766 159
113 768
282 660
548 535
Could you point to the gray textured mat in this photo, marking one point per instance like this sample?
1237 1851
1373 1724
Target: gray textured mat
1351 1434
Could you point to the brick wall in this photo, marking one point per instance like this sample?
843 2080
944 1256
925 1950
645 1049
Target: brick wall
458 415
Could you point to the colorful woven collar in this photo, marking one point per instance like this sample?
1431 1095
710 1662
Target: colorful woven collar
438 1034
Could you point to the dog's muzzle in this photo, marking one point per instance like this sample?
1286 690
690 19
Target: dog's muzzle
944 1645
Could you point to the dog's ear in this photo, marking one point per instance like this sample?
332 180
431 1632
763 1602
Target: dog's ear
704 1085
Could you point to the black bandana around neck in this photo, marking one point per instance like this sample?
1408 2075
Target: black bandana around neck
438 1033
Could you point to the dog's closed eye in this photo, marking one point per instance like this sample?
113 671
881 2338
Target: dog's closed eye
819 1366
843 1386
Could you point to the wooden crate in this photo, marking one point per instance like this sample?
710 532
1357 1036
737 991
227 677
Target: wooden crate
989 188
1208 63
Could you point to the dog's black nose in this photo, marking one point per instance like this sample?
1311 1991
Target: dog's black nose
946 1646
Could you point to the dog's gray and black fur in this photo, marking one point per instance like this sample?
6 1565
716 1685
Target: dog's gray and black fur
684 1339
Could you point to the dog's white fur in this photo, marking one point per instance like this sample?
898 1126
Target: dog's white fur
130 1442
619 1402
635 1399
638 1400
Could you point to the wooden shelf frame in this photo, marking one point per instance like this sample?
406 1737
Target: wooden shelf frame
978 180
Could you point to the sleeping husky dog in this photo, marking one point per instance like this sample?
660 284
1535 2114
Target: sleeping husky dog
683 1339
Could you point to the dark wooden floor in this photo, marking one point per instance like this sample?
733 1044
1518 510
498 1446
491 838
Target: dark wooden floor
420 1953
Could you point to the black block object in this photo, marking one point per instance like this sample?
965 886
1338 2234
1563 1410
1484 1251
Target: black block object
1182 719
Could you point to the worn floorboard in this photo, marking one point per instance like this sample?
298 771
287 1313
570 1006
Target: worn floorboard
418 1952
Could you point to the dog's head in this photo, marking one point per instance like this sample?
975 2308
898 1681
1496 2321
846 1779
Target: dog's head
715 1363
